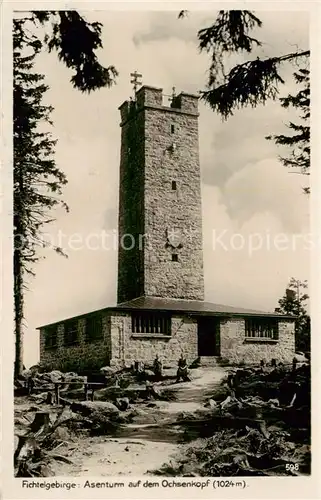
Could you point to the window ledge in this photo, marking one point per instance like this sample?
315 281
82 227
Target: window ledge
261 339
150 336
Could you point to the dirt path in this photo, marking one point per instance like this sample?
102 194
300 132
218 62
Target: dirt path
149 442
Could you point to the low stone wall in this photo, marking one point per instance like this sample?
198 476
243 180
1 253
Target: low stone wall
128 347
236 348
82 356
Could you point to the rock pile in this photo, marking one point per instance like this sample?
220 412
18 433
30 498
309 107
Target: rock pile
259 425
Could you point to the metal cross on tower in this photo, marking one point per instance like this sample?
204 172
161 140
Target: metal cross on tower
135 77
172 97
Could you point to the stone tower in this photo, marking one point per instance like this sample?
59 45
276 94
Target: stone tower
160 218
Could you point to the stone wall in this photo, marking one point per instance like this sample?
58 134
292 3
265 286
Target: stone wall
128 347
130 282
236 348
159 145
173 217
84 355
119 347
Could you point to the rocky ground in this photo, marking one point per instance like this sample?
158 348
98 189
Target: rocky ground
222 422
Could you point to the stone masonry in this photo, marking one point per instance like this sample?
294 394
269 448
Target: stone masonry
79 356
119 347
128 348
160 147
237 348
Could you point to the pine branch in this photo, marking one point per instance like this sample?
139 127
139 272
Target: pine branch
75 41
229 33
247 84
298 138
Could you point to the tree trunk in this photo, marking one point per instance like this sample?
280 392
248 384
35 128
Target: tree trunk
18 317
41 420
18 242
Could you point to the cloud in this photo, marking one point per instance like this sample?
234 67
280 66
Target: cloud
249 129
248 263
283 31
165 26
280 30
266 186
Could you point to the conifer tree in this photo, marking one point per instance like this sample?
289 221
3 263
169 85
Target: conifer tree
36 179
294 302
298 139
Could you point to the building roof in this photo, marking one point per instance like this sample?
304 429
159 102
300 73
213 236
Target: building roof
191 307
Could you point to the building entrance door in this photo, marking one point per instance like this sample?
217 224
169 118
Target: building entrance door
209 341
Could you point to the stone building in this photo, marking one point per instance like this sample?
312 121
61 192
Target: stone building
160 299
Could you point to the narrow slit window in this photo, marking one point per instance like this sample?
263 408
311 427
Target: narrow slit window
174 257
174 185
172 128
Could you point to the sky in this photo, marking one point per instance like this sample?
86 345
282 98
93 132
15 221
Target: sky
250 201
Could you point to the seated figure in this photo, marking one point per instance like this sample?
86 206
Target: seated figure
182 372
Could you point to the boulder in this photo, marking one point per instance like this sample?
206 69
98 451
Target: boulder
21 421
53 376
107 370
73 377
73 391
25 374
212 404
110 393
61 434
105 408
301 357
141 416
274 402
34 369
40 398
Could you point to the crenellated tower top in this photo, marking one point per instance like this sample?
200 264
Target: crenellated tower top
153 97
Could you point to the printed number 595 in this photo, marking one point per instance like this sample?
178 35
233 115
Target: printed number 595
291 466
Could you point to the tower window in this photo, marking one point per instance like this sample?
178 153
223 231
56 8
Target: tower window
174 185
172 129
174 257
